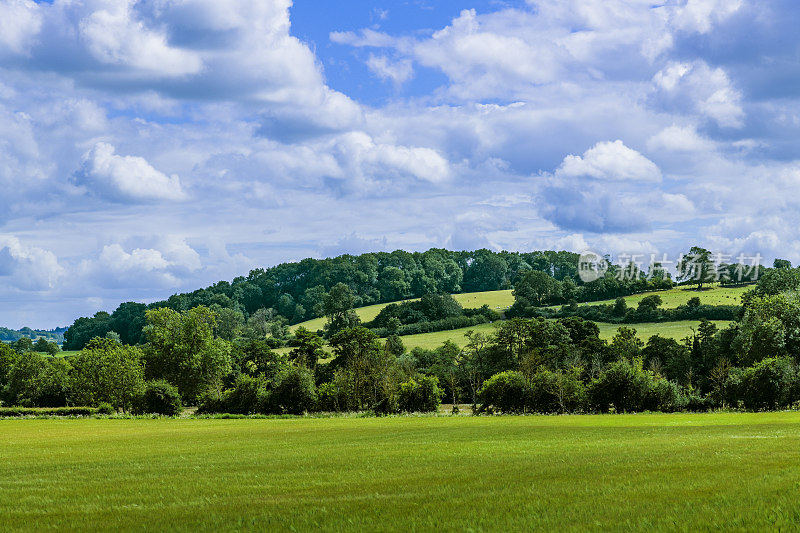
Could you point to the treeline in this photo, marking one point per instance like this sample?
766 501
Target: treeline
297 291
53 335
526 365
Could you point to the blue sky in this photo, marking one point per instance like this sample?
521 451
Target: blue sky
155 146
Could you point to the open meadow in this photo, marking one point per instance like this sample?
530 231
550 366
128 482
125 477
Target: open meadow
726 471
674 330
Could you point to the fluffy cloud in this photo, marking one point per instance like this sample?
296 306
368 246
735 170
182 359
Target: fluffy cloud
608 189
28 268
19 25
369 163
679 139
126 178
610 161
495 128
398 72
708 89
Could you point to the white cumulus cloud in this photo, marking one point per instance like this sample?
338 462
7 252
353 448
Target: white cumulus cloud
126 178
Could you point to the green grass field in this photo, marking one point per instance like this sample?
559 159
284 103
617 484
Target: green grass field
674 330
500 300
680 295
497 300
622 472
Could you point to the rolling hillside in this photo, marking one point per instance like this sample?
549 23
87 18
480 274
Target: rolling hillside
501 300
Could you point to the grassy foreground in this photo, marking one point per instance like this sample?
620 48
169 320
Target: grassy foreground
684 471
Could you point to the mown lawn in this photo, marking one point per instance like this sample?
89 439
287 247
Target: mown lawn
642 472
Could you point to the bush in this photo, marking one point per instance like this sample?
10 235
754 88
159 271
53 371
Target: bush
105 408
505 392
332 396
623 385
665 396
294 392
248 396
161 397
420 395
556 392
769 384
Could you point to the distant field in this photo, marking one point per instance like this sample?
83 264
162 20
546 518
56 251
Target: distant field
500 300
674 330
497 300
691 472
680 295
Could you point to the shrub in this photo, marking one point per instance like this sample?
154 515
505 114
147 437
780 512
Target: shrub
161 397
665 396
420 395
623 385
769 384
556 392
105 408
504 391
249 395
294 392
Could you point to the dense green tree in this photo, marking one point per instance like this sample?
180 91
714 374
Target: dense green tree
697 267
487 272
107 371
339 309
182 348
309 349
85 329
536 288
22 345
160 397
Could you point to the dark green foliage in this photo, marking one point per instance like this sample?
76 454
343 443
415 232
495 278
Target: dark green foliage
421 394
556 391
182 348
105 408
46 411
7 358
299 291
504 392
429 308
37 381
771 384
161 397
25 344
106 371
626 387
309 349
293 393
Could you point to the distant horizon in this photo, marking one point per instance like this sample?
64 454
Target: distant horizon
766 262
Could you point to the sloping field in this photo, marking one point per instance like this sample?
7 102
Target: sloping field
501 300
680 295
674 330
497 300
549 473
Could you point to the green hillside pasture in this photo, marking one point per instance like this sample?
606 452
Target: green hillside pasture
497 300
674 330
680 295
693 472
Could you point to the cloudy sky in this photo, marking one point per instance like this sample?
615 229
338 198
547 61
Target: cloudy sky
153 146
